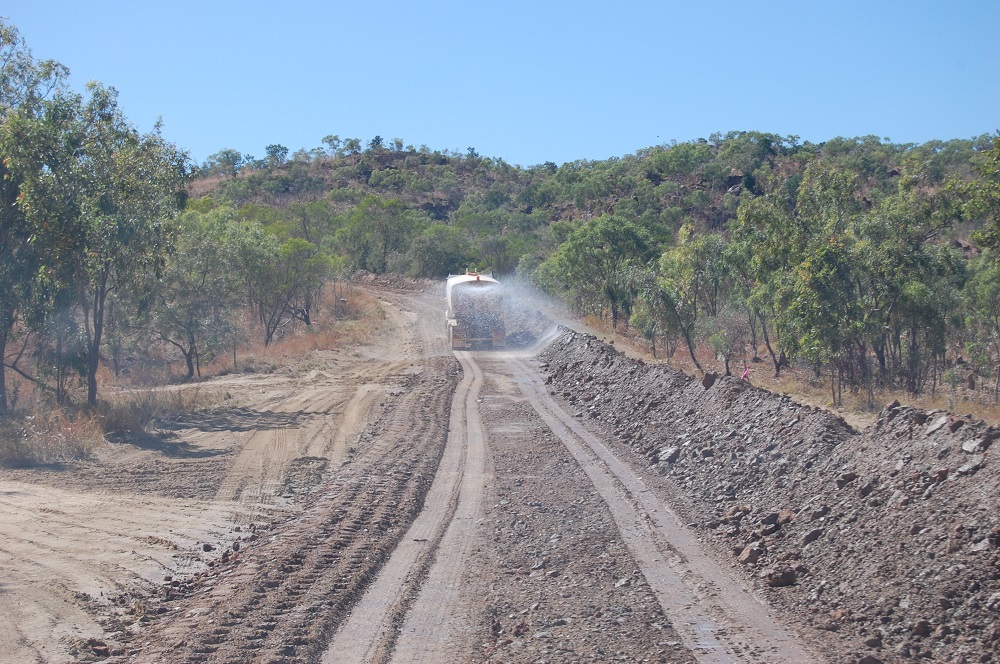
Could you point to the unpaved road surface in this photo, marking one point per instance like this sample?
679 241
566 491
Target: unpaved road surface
395 502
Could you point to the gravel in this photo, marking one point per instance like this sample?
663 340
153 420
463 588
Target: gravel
882 545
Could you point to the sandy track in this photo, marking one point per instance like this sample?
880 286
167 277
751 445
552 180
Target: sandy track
715 618
281 603
434 627
128 539
72 550
371 507
440 624
282 599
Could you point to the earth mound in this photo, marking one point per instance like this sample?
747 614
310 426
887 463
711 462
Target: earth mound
884 544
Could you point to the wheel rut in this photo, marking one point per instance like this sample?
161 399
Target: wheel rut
715 616
282 595
409 613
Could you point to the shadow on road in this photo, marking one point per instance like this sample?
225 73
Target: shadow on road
234 419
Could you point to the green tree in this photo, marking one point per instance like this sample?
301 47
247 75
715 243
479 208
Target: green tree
225 162
819 306
984 196
439 250
678 161
25 84
593 265
333 145
103 206
375 230
276 154
653 314
315 223
983 296
691 275
352 145
200 292
295 269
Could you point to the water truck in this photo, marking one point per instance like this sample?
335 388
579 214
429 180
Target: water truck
474 318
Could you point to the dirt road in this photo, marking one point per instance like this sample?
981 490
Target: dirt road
395 502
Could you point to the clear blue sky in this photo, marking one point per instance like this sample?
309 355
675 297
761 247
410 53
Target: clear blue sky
530 80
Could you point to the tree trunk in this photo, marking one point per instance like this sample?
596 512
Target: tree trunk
879 350
866 373
913 370
307 308
690 345
6 327
191 355
4 333
767 342
60 372
752 320
93 362
94 324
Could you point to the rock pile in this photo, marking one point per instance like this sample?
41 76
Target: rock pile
885 542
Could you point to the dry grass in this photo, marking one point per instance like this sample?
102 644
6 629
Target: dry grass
53 434
131 412
801 385
354 321
48 436
40 433
347 316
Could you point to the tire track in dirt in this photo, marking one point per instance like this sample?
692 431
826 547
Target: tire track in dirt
258 470
351 427
298 427
282 596
72 549
717 619
410 585
438 627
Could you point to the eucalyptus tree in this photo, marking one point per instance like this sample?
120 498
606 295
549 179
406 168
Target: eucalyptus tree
297 268
377 230
26 85
982 294
199 293
226 162
315 223
439 250
592 265
691 277
276 155
102 201
984 196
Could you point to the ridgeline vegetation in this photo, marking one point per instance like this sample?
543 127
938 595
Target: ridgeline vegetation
874 264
